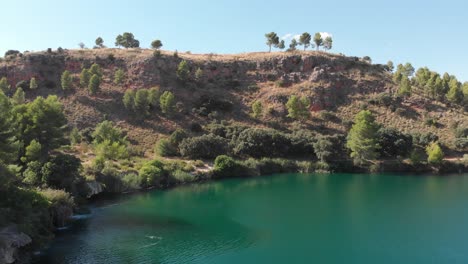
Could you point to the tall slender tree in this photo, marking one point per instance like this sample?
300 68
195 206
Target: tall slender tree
304 40
272 40
318 40
328 43
362 139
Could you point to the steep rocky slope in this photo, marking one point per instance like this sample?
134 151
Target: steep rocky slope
225 91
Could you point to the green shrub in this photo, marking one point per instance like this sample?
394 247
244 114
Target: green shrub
62 172
167 103
165 148
58 198
256 142
180 176
32 175
111 150
66 80
394 143
225 166
206 146
94 84
131 181
119 76
152 174
435 154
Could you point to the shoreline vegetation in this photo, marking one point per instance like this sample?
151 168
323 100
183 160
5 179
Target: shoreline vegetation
74 126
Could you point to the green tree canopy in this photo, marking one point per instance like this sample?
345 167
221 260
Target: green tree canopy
4 86
141 102
127 40
19 96
42 120
183 71
293 45
362 139
66 80
94 84
298 108
84 77
257 109
99 42
167 103
119 76
8 139
272 40
156 44
33 84
328 43
435 155
107 131
304 40
318 40
455 93
129 100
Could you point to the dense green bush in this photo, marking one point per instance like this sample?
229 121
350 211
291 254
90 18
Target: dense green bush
434 153
167 103
152 174
206 146
256 142
225 166
301 143
394 143
165 148
62 172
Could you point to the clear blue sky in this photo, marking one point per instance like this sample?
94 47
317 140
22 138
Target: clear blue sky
426 33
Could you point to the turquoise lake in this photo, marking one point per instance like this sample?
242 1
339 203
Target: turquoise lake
290 218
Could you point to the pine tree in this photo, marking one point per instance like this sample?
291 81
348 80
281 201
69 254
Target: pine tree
94 84
298 108
99 42
435 155
129 100
362 139
84 77
304 40
33 84
293 45
328 43
119 76
95 69
272 40
141 102
167 103
183 71
455 94
66 80
318 40
156 44
4 86
257 109
18 97
405 87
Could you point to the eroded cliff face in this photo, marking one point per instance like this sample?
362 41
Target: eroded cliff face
144 69
228 84
11 242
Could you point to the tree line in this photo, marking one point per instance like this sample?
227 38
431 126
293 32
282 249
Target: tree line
305 40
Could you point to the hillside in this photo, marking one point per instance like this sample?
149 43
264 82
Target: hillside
339 85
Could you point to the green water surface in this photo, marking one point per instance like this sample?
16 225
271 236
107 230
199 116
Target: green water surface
337 218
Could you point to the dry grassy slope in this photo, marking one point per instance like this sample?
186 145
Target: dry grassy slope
332 82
